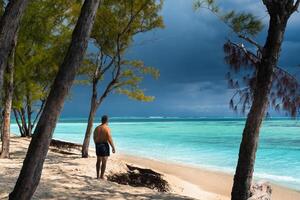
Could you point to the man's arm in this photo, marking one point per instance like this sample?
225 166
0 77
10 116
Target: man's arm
110 141
95 135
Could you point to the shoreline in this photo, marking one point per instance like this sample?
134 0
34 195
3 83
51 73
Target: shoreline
208 180
188 182
207 169
164 167
68 176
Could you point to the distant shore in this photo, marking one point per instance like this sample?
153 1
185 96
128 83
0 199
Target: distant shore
70 177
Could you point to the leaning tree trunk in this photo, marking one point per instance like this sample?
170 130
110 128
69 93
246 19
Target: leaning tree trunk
33 164
7 107
245 166
88 132
9 24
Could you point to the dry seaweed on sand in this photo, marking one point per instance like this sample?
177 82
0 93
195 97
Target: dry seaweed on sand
64 145
140 177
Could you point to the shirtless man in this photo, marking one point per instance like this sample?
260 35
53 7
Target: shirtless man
102 139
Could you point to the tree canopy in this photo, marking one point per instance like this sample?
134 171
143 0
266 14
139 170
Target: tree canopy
45 33
243 54
116 24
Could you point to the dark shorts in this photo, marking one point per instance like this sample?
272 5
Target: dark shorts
102 149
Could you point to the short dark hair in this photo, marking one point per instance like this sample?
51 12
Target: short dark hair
104 119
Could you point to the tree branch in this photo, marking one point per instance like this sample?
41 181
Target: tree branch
248 39
133 17
117 69
286 73
251 41
39 112
115 77
296 6
108 66
239 91
251 56
254 59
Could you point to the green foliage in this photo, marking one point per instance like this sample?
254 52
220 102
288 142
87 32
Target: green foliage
116 24
136 94
2 7
119 20
44 36
130 78
241 23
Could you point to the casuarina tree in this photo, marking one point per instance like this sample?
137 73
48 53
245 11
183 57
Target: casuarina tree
37 49
7 103
108 70
269 85
30 174
9 26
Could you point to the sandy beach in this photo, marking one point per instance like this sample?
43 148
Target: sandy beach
67 176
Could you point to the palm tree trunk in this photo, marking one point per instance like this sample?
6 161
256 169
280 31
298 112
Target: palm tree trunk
9 26
88 132
33 164
7 108
245 166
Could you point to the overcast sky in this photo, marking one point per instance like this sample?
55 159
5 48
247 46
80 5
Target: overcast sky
188 52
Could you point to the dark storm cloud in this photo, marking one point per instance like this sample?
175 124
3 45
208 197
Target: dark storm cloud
189 55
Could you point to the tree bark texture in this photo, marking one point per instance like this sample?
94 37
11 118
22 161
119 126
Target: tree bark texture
279 16
9 26
9 87
33 164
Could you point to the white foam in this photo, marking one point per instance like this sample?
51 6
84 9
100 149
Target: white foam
277 177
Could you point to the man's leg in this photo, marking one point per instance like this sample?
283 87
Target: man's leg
98 165
103 166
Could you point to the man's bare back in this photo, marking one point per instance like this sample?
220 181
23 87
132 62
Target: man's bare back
101 133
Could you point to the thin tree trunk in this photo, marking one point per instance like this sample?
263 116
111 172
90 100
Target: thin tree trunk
7 108
22 132
38 113
33 164
1 124
22 114
88 132
245 166
94 106
26 127
29 124
9 26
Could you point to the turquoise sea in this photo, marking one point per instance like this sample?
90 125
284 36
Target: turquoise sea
202 142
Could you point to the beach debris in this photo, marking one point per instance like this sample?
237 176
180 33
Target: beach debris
140 177
64 145
65 148
260 191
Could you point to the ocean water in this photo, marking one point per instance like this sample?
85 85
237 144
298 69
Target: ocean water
206 143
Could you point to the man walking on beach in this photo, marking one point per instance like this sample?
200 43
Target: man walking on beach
102 139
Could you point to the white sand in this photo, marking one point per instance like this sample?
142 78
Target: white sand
71 177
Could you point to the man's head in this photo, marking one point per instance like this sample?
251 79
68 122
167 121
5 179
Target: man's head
104 119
